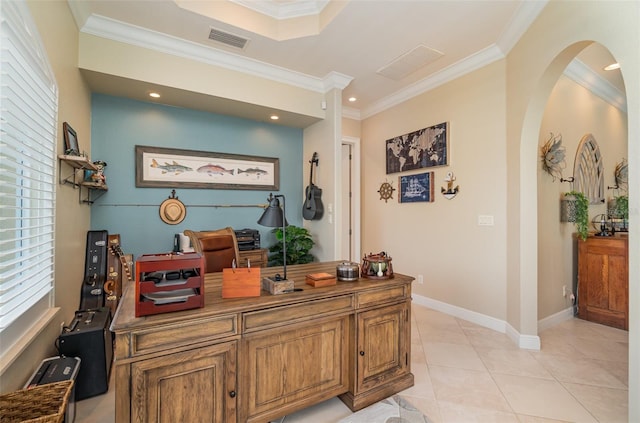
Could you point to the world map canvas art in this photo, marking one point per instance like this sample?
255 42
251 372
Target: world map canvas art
427 147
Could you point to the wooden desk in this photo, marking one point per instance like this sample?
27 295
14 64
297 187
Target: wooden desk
257 359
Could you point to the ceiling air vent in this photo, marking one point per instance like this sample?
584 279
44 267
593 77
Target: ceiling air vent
410 62
228 38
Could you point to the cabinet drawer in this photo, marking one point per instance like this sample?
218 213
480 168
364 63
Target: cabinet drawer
380 296
286 315
183 333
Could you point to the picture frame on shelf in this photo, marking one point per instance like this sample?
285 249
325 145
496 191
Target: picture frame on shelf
158 167
71 147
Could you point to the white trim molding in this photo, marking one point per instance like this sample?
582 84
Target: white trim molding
529 342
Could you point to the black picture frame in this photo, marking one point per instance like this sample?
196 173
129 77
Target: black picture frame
71 147
426 147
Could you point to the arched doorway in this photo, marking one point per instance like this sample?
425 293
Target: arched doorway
585 101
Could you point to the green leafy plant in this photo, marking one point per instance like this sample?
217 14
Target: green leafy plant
581 213
622 206
299 243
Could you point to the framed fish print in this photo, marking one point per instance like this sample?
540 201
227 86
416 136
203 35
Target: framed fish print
158 167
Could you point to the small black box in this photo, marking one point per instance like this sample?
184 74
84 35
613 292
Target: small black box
58 369
88 337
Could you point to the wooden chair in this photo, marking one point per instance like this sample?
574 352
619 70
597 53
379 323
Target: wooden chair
218 247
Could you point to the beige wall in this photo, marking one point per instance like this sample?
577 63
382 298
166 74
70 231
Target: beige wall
561 31
325 138
572 111
463 264
60 38
351 128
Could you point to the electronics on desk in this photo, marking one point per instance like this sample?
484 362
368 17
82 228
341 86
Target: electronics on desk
248 239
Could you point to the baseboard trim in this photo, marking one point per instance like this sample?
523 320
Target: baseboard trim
529 342
556 318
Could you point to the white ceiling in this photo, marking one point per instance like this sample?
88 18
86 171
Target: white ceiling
352 39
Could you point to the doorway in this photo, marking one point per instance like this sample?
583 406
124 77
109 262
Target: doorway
350 199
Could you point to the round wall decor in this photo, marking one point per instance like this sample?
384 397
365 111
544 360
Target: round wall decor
172 211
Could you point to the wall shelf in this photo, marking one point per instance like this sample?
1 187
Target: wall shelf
76 179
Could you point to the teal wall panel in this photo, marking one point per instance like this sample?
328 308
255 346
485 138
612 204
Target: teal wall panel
119 124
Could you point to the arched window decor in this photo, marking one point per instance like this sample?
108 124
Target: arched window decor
588 171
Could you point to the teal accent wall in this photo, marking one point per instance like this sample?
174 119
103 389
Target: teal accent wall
119 124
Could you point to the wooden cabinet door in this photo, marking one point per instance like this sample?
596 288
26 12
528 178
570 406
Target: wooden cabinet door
603 275
287 370
190 386
382 346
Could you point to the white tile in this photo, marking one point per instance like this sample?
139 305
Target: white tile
452 355
607 405
542 398
470 388
512 362
578 370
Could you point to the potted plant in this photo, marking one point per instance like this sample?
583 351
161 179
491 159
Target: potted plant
619 209
577 210
299 243
622 206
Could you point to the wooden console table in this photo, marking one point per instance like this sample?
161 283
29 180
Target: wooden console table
603 280
257 359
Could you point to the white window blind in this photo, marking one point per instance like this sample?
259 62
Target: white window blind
28 121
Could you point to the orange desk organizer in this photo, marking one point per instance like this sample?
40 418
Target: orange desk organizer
241 282
320 279
169 282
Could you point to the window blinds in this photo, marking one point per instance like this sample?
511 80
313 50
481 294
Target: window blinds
28 121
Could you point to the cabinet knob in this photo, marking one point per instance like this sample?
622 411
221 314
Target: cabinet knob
362 353
232 394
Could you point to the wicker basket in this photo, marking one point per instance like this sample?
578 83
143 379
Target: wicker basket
41 404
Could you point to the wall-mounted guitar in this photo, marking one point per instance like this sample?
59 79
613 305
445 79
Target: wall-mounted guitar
312 208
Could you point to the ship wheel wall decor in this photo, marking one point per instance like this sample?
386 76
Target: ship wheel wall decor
386 191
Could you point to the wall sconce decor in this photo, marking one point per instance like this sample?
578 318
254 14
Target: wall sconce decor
386 191
553 154
450 192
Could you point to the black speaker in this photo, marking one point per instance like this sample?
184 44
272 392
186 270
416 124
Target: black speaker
88 338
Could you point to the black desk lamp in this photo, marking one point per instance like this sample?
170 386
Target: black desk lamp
274 217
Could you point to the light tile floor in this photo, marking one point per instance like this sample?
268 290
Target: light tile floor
467 373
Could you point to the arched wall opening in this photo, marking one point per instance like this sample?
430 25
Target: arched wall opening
581 104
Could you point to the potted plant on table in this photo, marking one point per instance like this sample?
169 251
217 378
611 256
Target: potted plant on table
576 208
299 243
619 209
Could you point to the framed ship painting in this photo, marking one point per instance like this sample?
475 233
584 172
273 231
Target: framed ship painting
427 147
416 188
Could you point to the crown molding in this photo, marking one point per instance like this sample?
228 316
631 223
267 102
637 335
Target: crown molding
130 34
336 80
351 113
458 69
583 75
520 22
277 10
527 12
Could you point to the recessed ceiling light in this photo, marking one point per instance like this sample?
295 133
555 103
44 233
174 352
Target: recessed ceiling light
274 117
352 99
612 66
154 95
